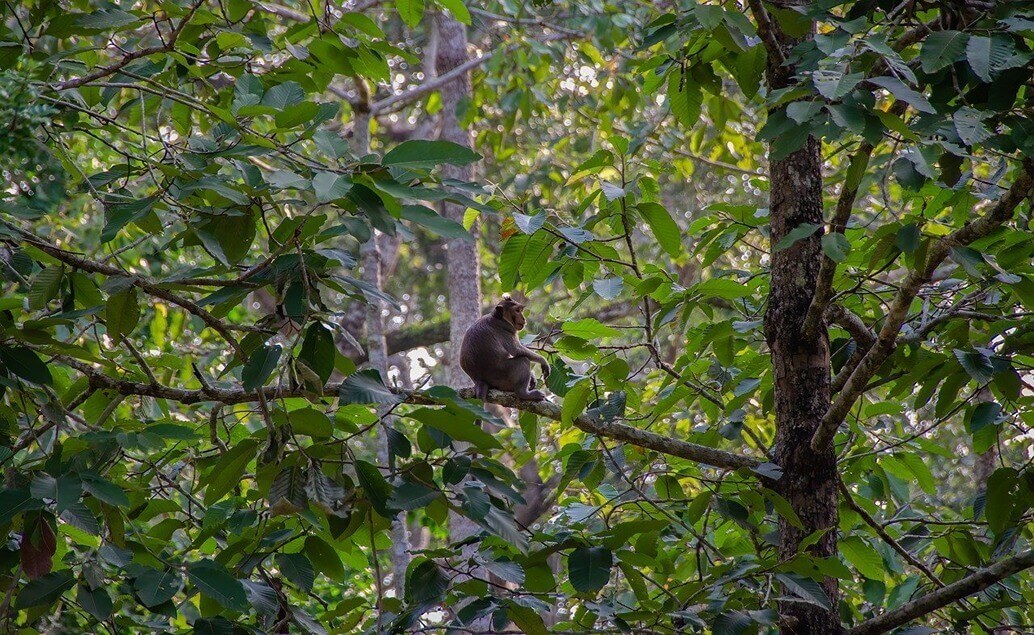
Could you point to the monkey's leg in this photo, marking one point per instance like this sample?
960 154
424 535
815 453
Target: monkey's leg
481 390
525 380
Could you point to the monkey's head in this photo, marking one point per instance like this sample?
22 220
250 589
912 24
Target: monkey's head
511 311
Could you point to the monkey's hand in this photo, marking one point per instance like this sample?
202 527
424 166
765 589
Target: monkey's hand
545 370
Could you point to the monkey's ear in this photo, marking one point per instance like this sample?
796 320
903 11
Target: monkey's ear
499 312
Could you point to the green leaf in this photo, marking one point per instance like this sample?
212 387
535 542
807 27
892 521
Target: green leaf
663 226
457 9
684 98
907 239
96 602
988 55
589 568
324 558
426 583
426 154
284 95
942 48
310 422
297 568
377 489
835 85
836 246
260 366
1000 498
458 425
805 588
435 222
25 363
977 364
229 469
45 590
122 314
318 351
366 386
589 329
985 414
783 508
411 11
900 91
863 557
217 583
155 587
45 287
575 401
330 186
800 232
970 125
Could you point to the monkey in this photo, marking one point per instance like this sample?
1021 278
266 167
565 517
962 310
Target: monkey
493 357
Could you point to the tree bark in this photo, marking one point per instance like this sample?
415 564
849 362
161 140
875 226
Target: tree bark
801 366
462 258
378 350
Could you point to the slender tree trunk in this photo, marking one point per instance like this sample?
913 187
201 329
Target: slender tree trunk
802 368
378 348
462 259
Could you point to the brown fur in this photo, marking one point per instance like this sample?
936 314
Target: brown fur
493 357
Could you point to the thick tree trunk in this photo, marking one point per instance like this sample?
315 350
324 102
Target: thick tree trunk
802 368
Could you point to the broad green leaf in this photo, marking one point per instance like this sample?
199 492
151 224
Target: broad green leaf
575 401
988 55
122 314
684 99
426 154
318 351
436 223
459 426
45 590
800 232
588 329
25 363
805 588
228 470
366 386
324 558
836 246
216 582
260 366
96 602
835 85
457 9
377 489
411 11
426 582
589 568
942 48
663 226
154 587
900 91
297 568
863 557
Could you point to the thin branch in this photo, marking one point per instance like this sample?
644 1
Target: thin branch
767 31
886 342
111 69
401 100
972 583
841 215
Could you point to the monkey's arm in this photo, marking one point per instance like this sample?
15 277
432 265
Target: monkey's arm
523 351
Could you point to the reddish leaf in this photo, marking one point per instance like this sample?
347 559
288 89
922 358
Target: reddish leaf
38 547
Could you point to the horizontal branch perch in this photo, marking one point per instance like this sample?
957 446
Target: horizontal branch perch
617 431
972 583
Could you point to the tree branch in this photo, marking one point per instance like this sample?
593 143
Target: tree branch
972 583
898 312
397 102
85 264
617 431
111 69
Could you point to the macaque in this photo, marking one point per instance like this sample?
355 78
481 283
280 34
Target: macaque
493 357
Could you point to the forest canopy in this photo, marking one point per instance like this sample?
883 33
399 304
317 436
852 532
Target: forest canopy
777 256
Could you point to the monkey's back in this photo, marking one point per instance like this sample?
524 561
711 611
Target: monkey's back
484 355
